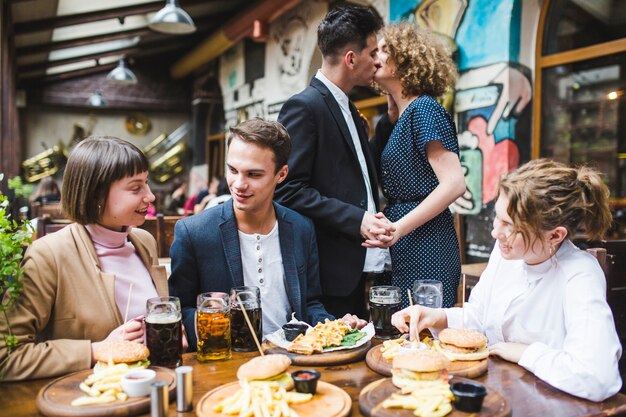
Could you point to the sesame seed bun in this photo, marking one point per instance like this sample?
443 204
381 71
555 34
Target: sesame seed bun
121 351
463 338
422 361
263 367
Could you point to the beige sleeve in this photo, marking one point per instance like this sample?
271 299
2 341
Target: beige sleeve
35 357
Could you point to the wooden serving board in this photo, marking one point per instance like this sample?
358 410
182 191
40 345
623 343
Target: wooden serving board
328 401
337 357
54 399
371 397
468 369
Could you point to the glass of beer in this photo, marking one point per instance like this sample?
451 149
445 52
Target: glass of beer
213 326
164 331
384 301
239 331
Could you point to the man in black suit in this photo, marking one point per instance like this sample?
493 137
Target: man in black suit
332 176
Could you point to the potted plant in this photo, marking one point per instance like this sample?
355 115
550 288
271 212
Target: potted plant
14 237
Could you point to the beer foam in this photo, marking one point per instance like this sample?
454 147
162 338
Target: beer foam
164 318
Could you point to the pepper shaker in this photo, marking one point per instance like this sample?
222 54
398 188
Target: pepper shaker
184 389
159 399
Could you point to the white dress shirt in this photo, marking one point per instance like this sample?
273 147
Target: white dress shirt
559 309
376 259
262 265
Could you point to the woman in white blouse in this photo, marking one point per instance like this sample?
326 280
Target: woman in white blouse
541 301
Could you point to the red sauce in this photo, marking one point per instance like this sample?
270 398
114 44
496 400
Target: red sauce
136 377
305 376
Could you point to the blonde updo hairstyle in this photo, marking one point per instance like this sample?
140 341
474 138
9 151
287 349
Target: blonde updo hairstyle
423 63
545 194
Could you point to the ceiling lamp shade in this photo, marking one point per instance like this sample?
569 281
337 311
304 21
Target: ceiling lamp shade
172 20
122 74
96 100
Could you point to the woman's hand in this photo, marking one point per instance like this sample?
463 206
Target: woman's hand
508 351
419 318
132 330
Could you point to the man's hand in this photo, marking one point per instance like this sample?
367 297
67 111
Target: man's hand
508 351
374 225
353 321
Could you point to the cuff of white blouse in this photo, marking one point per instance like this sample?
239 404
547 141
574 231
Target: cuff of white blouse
454 316
531 355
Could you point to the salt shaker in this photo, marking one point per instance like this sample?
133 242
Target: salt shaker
159 399
184 389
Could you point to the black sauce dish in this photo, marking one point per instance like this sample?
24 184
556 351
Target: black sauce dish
292 330
468 395
305 380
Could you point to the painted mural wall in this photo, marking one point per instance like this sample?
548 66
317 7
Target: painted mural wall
492 105
492 97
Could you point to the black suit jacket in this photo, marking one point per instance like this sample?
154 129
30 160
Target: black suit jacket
325 182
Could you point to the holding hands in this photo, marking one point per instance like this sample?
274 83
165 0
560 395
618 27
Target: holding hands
377 230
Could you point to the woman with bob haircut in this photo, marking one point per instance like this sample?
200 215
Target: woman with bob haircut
76 281
420 166
541 301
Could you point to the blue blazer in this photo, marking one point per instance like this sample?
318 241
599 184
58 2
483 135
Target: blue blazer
206 257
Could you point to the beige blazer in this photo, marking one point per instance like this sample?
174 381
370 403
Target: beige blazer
67 303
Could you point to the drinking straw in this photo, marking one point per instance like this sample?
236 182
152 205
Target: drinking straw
252 332
130 292
463 303
408 291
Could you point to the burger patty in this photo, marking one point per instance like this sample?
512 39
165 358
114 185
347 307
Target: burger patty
456 349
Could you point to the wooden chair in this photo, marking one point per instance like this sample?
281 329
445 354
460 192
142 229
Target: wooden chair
612 259
162 228
47 225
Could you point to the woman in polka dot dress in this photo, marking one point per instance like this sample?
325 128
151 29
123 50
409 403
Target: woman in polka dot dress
420 166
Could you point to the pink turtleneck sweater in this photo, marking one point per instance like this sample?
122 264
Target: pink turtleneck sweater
117 256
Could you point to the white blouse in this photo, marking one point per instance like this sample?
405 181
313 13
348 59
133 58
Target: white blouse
559 309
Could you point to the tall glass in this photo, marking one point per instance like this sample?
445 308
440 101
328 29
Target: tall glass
242 340
164 331
384 301
428 293
213 326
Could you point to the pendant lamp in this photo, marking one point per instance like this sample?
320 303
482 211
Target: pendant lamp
172 20
122 74
96 100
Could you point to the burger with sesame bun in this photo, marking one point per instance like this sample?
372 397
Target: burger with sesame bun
462 344
121 351
423 365
267 368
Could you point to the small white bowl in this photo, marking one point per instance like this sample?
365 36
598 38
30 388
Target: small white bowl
137 383
408 347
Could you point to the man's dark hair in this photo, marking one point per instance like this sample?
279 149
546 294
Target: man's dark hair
266 134
346 25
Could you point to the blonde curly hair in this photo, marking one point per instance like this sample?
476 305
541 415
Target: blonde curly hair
544 194
423 63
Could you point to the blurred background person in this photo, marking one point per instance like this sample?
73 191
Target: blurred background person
175 200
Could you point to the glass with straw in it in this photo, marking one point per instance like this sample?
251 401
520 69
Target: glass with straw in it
248 299
213 326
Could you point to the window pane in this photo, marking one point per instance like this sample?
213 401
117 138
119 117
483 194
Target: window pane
581 121
575 24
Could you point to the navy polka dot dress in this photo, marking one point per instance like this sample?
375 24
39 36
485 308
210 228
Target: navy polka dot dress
430 251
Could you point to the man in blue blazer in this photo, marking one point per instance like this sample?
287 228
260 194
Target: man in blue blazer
250 240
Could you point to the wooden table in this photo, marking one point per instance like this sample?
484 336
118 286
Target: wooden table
527 395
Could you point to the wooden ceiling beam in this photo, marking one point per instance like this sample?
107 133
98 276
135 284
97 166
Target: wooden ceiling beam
204 25
50 64
54 22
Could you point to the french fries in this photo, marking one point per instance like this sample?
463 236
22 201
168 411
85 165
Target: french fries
103 387
261 399
391 348
425 398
